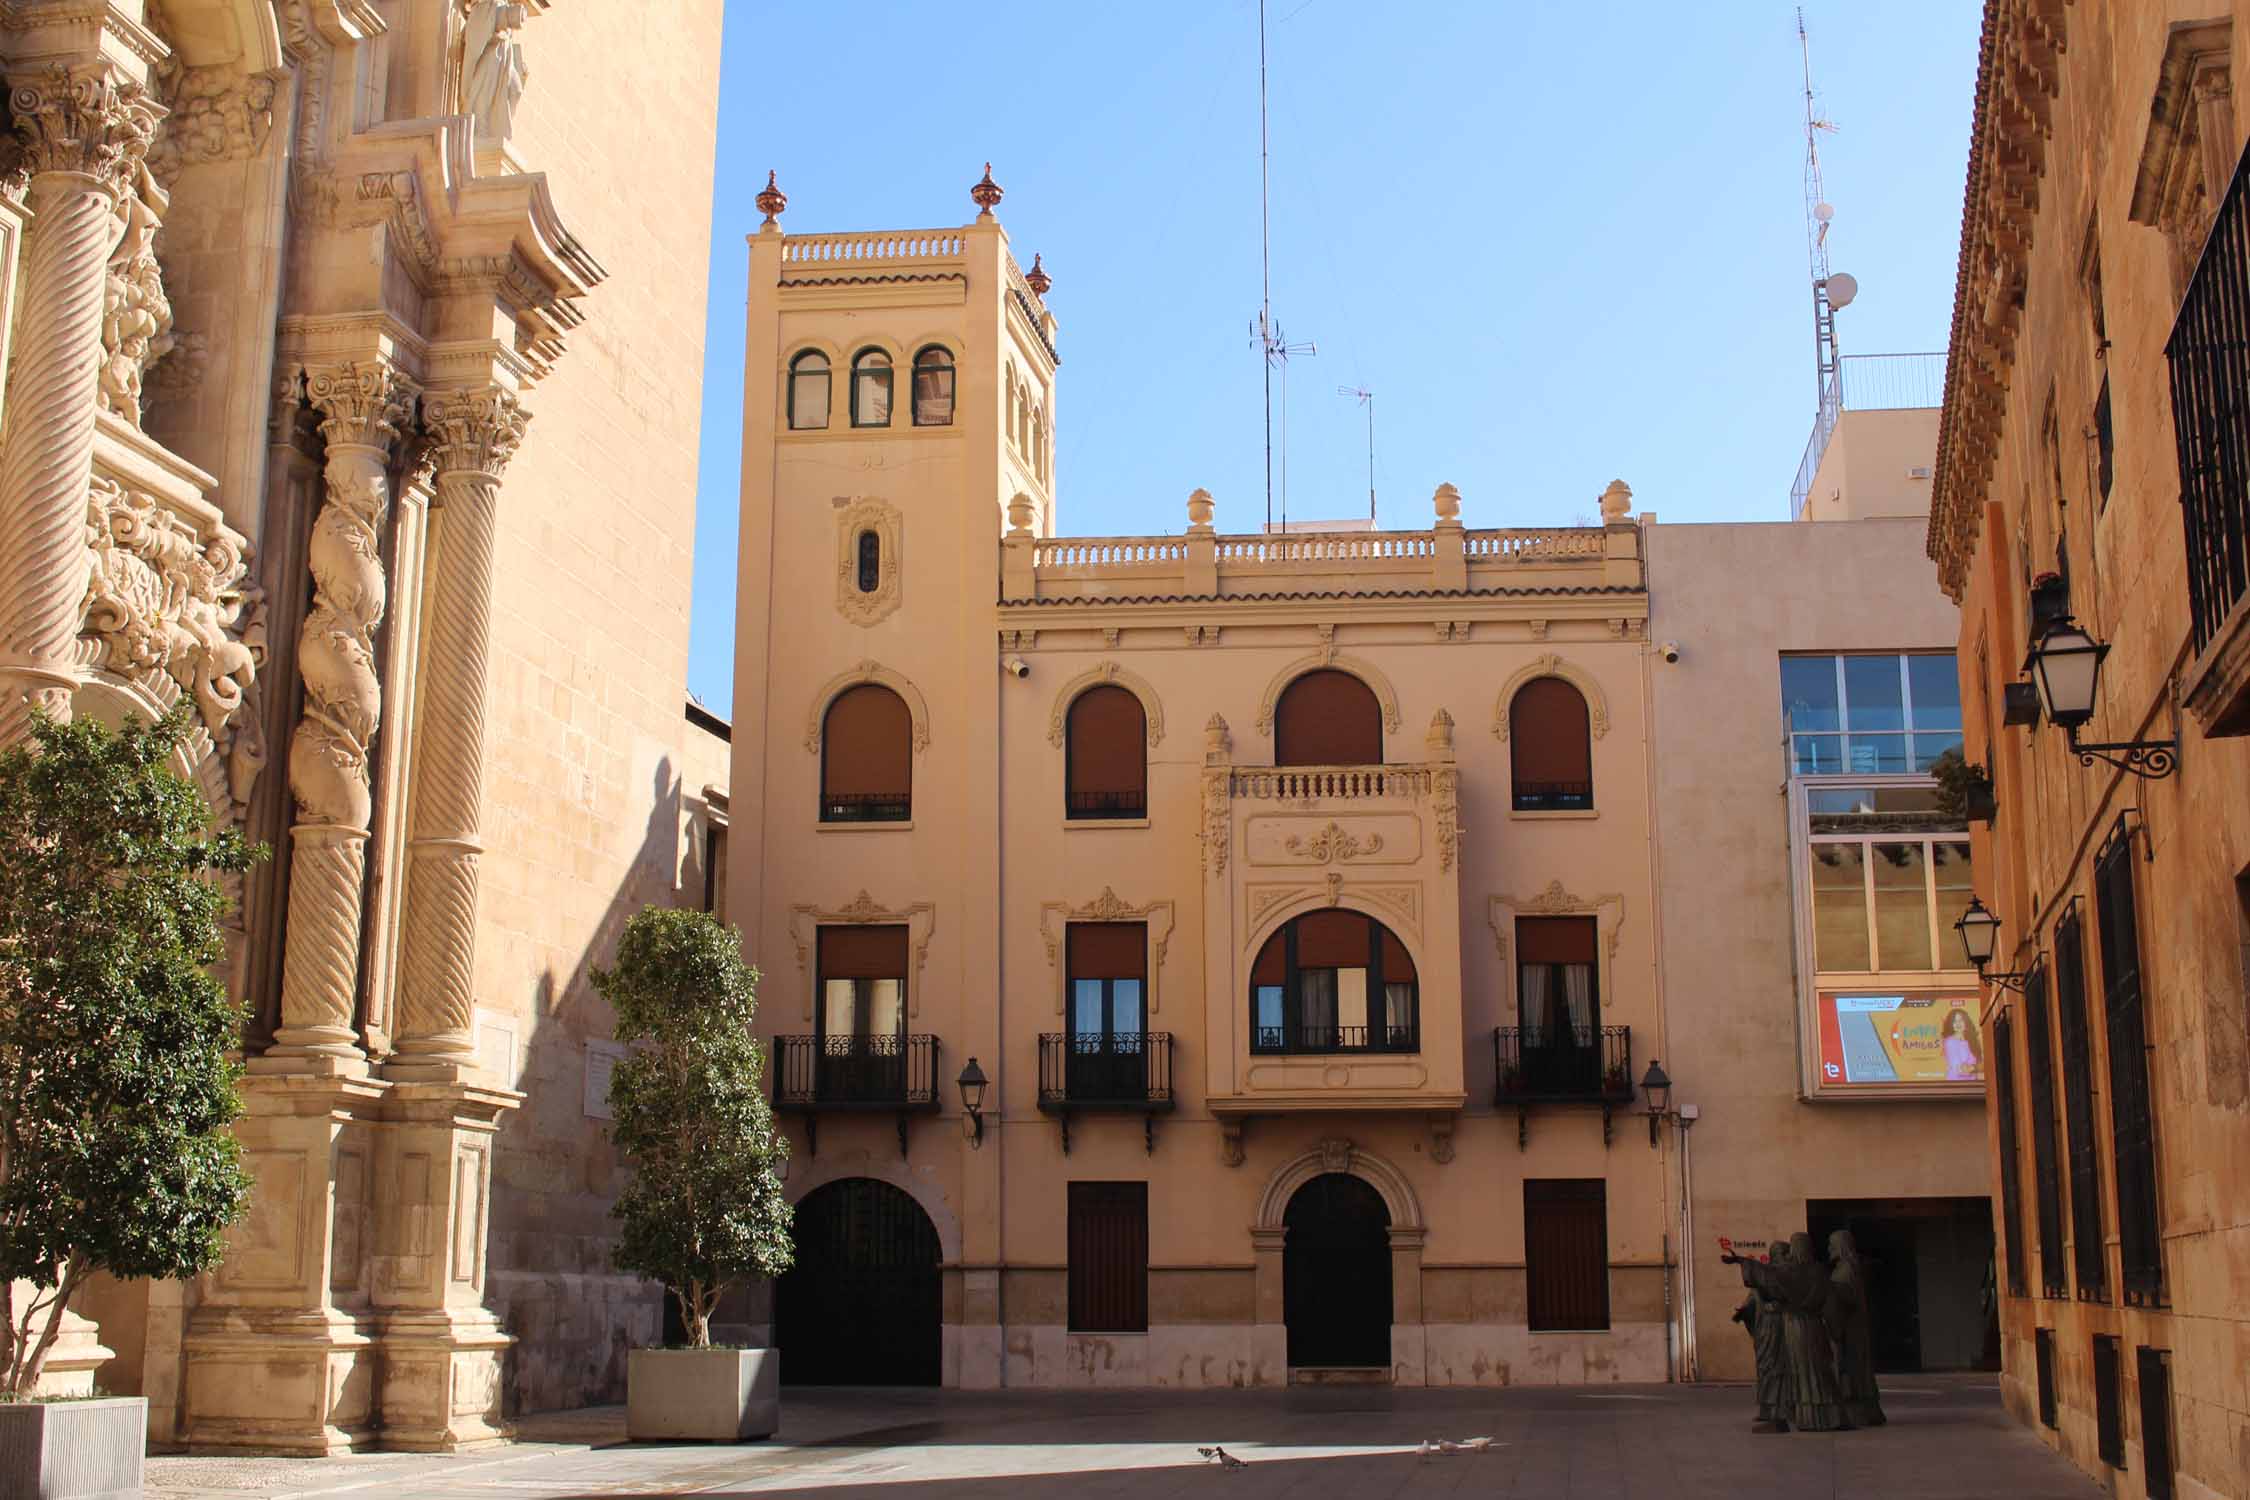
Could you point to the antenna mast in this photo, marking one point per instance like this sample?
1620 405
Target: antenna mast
1366 398
1818 213
1272 343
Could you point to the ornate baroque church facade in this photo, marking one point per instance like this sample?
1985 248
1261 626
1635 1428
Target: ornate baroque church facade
350 399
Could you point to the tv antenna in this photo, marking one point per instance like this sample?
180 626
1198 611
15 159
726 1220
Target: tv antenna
1265 333
1366 398
1830 292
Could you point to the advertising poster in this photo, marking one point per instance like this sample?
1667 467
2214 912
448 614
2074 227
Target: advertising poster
1924 1040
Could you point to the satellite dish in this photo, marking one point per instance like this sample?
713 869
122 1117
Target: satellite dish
1824 212
1842 287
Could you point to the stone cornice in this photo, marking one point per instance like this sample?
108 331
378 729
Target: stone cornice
2018 75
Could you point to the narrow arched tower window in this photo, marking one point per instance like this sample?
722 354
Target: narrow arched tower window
933 387
870 562
808 391
871 388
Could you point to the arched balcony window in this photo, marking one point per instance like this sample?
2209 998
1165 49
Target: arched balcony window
871 388
1334 981
1550 747
808 391
1107 754
933 387
867 757
1328 718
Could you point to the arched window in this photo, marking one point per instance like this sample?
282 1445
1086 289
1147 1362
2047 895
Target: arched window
871 388
1550 747
808 391
1334 981
867 757
933 387
870 561
1328 718
1107 755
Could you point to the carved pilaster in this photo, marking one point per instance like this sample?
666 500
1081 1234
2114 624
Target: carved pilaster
83 138
472 435
364 405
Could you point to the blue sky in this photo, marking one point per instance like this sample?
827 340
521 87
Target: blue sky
1560 251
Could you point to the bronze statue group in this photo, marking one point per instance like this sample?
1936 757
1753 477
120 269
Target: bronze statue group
1809 1324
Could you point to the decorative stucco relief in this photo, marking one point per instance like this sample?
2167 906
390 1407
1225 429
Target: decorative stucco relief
919 919
1608 910
869 671
1333 845
1106 672
855 515
1054 916
1552 665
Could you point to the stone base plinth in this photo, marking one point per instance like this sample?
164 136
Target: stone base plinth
442 1383
301 1385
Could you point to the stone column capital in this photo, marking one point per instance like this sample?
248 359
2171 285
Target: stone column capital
84 121
363 403
473 432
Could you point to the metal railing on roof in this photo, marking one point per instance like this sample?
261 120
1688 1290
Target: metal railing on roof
1866 382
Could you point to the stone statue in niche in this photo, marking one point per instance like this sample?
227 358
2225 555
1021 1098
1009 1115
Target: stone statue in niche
493 72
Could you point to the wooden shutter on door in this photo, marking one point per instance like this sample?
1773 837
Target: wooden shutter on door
1108 950
1109 1257
1566 1253
867 745
1555 940
1328 718
863 953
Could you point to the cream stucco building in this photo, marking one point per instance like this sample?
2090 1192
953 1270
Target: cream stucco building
351 399
1217 959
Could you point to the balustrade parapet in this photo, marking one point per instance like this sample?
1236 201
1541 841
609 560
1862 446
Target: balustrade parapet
809 251
1331 783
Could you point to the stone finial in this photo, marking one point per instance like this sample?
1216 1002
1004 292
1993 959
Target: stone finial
986 195
771 200
1440 738
1447 500
1216 740
1037 278
1617 502
1200 509
1019 514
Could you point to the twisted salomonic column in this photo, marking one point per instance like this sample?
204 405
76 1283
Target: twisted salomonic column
84 137
472 435
364 406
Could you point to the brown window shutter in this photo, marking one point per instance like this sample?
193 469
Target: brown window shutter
1108 748
1272 960
1108 950
867 744
1398 964
1332 940
1108 1247
856 952
1548 733
1328 718
1555 940
1566 1254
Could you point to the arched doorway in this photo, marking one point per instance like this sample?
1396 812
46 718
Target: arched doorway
861 1305
1336 1273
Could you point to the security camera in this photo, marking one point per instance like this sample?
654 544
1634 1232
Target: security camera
1016 666
1670 651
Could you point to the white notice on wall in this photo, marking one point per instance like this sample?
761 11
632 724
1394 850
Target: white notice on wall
601 1061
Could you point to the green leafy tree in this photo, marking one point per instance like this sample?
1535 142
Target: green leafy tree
116 1088
705 1207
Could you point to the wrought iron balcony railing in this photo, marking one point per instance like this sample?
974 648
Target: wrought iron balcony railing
1095 806
1404 1037
2209 352
1124 1072
814 1075
1554 796
1562 1065
866 807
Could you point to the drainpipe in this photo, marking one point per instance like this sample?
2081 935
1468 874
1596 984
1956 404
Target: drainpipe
1689 1113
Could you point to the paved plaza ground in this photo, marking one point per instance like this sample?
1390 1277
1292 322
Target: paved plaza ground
1948 1440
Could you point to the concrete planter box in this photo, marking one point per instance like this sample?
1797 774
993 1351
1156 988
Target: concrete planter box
73 1450
706 1395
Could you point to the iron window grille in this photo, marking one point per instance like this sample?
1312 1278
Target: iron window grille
2209 354
2011 1154
2109 1402
2043 1362
1554 796
1096 806
2140 1244
2089 1254
866 807
2153 1374
2047 1178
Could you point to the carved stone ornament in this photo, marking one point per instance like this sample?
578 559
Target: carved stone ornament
1336 1154
853 517
919 919
1445 804
492 68
1608 910
1152 709
473 431
1055 917
84 123
1218 818
1333 845
167 609
218 114
136 313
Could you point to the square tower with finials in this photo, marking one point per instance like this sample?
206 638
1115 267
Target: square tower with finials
898 407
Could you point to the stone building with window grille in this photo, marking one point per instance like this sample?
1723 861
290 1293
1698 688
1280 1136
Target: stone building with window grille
1210 958
2090 491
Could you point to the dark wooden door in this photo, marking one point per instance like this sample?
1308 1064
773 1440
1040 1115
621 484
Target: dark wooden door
1336 1273
861 1305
